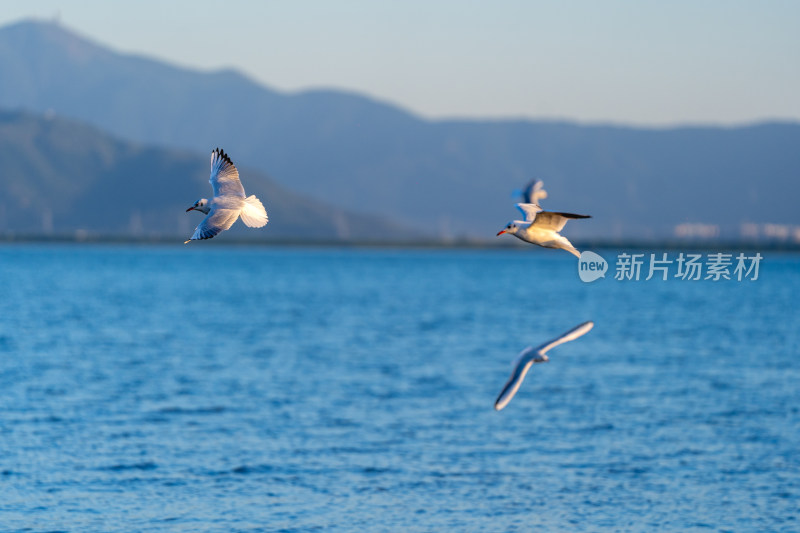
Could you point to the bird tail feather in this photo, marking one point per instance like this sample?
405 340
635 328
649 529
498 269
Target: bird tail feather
253 213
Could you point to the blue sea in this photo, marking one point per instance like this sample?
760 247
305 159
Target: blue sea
255 388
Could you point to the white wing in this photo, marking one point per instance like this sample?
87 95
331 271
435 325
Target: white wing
531 355
224 176
512 385
528 211
534 192
218 220
571 335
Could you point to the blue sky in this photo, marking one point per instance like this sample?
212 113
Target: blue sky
635 62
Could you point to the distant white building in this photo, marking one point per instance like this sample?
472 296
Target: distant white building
780 232
694 230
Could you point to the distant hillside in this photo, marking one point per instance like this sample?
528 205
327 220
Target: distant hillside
445 177
60 176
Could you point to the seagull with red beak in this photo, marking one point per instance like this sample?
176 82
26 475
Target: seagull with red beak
542 227
229 202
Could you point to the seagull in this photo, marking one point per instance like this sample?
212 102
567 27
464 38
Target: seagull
542 227
531 355
533 192
229 202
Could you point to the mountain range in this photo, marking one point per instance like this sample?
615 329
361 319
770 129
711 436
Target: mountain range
442 178
63 178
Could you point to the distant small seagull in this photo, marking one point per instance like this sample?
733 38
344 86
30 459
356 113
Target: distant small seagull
531 355
229 202
542 227
533 192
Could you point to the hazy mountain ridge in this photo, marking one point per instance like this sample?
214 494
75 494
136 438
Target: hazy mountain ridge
446 177
63 176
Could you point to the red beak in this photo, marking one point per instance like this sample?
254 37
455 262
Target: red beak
190 209
501 232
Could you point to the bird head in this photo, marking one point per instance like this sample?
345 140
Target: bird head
200 205
510 228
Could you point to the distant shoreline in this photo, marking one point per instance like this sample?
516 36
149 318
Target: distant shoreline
6 239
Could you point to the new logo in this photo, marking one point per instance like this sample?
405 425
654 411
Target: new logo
591 266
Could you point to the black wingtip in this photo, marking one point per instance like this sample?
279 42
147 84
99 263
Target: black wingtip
568 215
222 155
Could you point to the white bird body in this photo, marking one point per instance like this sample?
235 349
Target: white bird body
229 202
530 355
542 228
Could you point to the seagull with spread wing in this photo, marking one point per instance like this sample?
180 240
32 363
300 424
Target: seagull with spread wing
229 202
531 355
542 227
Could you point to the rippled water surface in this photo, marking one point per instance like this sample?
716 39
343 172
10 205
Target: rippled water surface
218 388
